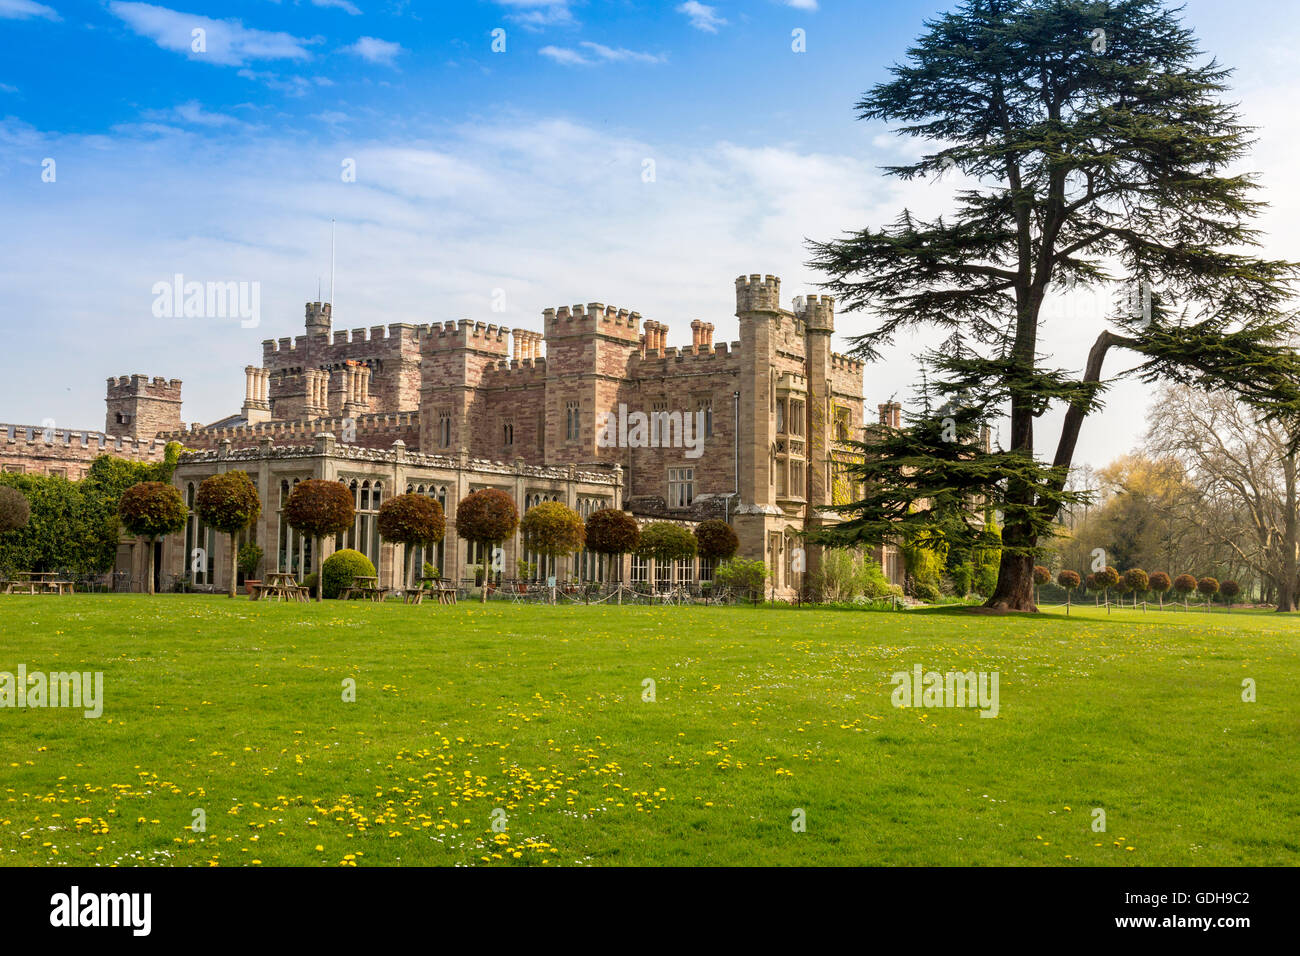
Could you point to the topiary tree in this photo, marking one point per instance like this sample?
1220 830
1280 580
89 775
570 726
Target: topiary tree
411 520
152 510
1209 587
1041 576
716 539
552 529
1068 580
667 542
15 510
486 517
1090 583
229 503
1135 579
1107 578
319 508
1229 589
340 569
612 532
1184 584
1160 583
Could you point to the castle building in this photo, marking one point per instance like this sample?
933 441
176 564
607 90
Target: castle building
596 410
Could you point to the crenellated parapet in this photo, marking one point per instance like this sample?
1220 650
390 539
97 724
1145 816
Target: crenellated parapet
368 430
817 312
756 293
465 334
594 317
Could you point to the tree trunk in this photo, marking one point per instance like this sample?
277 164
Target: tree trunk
150 565
1015 588
234 562
1286 585
320 573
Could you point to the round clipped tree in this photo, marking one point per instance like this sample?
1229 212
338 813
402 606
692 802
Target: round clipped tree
1069 580
1208 587
152 510
15 510
319 508
229 503
1136 580
553 529
716 540
1159 583
486 517
1107 578
1041 576
667 542
1184 585
1090 583
612 532
411 521
1229 589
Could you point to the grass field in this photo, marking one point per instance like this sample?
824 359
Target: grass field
236 709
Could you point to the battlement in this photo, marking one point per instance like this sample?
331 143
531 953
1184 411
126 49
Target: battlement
370 430
80 443
707 360
464 334
130 386
847 363
318 316
818 311
394 333
757 293
594 317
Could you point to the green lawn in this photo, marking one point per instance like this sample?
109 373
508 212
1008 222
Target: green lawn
236 708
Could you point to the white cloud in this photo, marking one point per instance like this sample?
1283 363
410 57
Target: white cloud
192 113
599 53
538 14
702 16
801 4
374 50
26 10
344 5
227 42
7 88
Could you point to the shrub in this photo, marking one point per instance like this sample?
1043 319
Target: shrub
340 568
987 559
152 509
716 539
319 508
250 556
741 574
228 502
15 510
925 591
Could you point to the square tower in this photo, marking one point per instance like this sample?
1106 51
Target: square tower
140 407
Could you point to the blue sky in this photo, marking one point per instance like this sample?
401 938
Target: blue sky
513 179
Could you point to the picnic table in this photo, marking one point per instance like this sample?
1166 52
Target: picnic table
33 582
443 587
365 586
280 585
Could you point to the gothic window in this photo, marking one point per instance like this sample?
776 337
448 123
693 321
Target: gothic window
705 405
444 428
571 421
796 417
508 434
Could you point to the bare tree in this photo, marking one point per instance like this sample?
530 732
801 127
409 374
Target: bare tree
1245 472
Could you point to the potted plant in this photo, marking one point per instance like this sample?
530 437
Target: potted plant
430 574
527 570
250 556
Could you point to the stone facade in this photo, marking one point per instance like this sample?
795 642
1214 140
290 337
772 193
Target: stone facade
755 431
